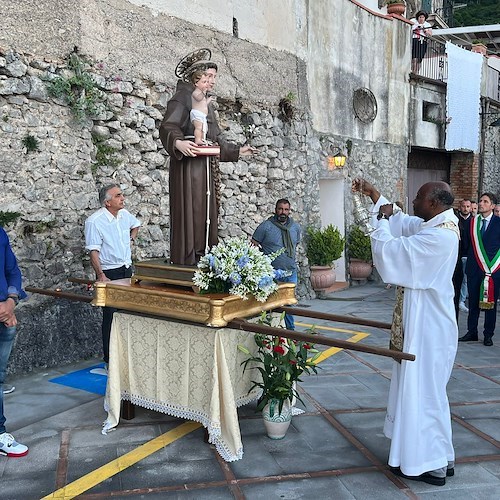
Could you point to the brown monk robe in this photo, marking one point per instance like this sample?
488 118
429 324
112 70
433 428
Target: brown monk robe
188 180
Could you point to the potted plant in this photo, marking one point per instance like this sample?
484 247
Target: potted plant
359 249
479 46
395 7
324 246
280 362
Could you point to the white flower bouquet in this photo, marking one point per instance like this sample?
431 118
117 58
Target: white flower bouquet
237 267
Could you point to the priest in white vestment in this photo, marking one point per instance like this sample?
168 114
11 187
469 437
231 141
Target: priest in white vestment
420 253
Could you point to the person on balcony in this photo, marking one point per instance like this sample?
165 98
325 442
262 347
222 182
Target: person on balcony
421 29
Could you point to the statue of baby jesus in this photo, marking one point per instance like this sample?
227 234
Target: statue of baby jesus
199 105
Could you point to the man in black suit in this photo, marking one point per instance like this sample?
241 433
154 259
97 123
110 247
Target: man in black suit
459 278
483 278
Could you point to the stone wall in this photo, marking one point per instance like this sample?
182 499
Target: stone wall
332 49
491 156
55 186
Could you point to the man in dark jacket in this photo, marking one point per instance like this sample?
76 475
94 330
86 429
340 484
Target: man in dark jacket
10 293
483 261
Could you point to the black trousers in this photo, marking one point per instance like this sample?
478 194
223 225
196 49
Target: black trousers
458 277
107 312
490 315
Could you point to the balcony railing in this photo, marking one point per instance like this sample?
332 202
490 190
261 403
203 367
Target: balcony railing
434 65
492 85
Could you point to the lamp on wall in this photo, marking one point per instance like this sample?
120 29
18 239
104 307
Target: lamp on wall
336 160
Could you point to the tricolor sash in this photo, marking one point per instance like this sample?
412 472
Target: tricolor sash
486 292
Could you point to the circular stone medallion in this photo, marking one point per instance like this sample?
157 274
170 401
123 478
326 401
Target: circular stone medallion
365 105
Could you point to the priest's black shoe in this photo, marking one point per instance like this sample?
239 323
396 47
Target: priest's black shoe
487 341
468 337
426 477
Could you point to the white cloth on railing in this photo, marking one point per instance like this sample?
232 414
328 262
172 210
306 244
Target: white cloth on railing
463 98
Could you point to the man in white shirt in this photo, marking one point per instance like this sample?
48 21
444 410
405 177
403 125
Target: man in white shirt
109 233
420 254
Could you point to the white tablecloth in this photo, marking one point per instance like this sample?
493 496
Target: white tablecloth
188 371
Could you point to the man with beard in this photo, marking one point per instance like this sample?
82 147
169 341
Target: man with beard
420 254
188 183
459 277
277 232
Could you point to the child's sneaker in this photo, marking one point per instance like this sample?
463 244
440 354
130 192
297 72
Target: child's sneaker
10 447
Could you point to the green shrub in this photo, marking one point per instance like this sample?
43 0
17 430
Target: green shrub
8 217
359 245
324 245
79 90
30 142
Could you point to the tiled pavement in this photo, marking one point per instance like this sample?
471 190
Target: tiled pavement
336 449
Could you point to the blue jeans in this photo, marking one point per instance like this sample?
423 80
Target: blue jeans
7 335
289 322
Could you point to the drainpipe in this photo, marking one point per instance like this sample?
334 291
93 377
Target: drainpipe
482 142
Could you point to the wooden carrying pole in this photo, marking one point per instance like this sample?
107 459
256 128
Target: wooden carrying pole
296 311
241 324
58 294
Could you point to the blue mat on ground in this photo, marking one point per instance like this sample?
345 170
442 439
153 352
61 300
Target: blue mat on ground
84 380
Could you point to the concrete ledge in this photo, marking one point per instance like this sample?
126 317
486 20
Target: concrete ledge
336 287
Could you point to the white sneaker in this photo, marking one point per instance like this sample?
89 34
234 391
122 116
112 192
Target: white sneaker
463 307
101 370
10 447
7 388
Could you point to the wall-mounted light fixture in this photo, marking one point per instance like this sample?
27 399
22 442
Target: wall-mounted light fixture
336 160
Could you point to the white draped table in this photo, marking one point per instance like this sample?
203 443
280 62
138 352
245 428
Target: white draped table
185 370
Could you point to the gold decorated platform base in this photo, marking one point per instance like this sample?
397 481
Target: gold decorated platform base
160 271
163 300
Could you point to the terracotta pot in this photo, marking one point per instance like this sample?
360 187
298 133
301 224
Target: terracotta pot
396 8
277 423
480 48
322 277
359 269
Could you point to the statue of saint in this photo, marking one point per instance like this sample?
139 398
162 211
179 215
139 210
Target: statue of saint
193 178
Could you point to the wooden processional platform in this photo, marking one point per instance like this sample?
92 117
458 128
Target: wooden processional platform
162 289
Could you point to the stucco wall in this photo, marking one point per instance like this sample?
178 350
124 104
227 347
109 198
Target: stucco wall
350 48
428 113
491 153
134 41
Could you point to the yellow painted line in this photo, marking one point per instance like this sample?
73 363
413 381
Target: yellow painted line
330 328
334 350
96 477
121 463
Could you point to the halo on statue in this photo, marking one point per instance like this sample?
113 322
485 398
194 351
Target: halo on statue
190 62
